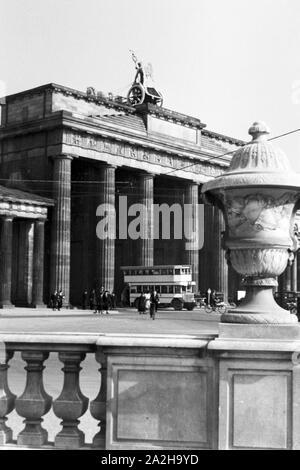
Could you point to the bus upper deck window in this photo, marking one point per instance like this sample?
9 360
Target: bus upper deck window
177 271
170 271
146 272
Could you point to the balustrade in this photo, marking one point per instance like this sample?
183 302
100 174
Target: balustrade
7 398
34 403
116 393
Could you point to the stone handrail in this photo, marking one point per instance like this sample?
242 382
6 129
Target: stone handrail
71 404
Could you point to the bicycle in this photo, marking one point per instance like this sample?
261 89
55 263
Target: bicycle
218 308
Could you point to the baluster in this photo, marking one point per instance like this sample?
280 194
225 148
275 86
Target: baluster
71 404
7 398
34 402
98 406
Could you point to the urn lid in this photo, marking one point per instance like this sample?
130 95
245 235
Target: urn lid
259 162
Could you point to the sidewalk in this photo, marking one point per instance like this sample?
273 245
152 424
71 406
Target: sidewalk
22 312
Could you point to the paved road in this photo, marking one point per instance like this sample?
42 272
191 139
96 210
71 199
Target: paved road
123 321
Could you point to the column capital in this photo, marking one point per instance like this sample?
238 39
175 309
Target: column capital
108 165
7 217
63 156
147 174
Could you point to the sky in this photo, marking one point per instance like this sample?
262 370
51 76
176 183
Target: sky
226 62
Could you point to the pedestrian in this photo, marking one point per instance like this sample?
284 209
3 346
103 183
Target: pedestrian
155 299
113 300
99 296
53 300
85 299
142 303
60 299
152 309
214 299
125 296
93 300
148 301
106 301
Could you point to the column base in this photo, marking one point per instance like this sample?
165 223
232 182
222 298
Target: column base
33 435
69 438
6 304
38 305
6 434
99 441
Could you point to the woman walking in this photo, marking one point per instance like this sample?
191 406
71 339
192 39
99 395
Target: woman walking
142 304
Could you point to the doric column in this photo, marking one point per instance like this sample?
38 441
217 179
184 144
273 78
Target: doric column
287 279
38 264
61 226
205 255
294 274
25 262
106 240
298 270
220 267
146 193
6 261
191 226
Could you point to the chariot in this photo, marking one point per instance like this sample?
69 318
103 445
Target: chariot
143 88
139 93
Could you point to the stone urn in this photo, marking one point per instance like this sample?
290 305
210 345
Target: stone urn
259 195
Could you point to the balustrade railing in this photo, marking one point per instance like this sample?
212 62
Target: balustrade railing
34 403
44 403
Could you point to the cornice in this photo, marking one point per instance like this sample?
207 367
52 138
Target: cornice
223 138
55 88
66 120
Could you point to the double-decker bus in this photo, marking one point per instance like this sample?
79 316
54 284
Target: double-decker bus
173 283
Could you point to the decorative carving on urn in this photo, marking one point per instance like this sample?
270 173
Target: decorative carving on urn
258 195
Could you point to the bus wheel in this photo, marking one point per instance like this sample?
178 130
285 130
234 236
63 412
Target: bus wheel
190 307
177 304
